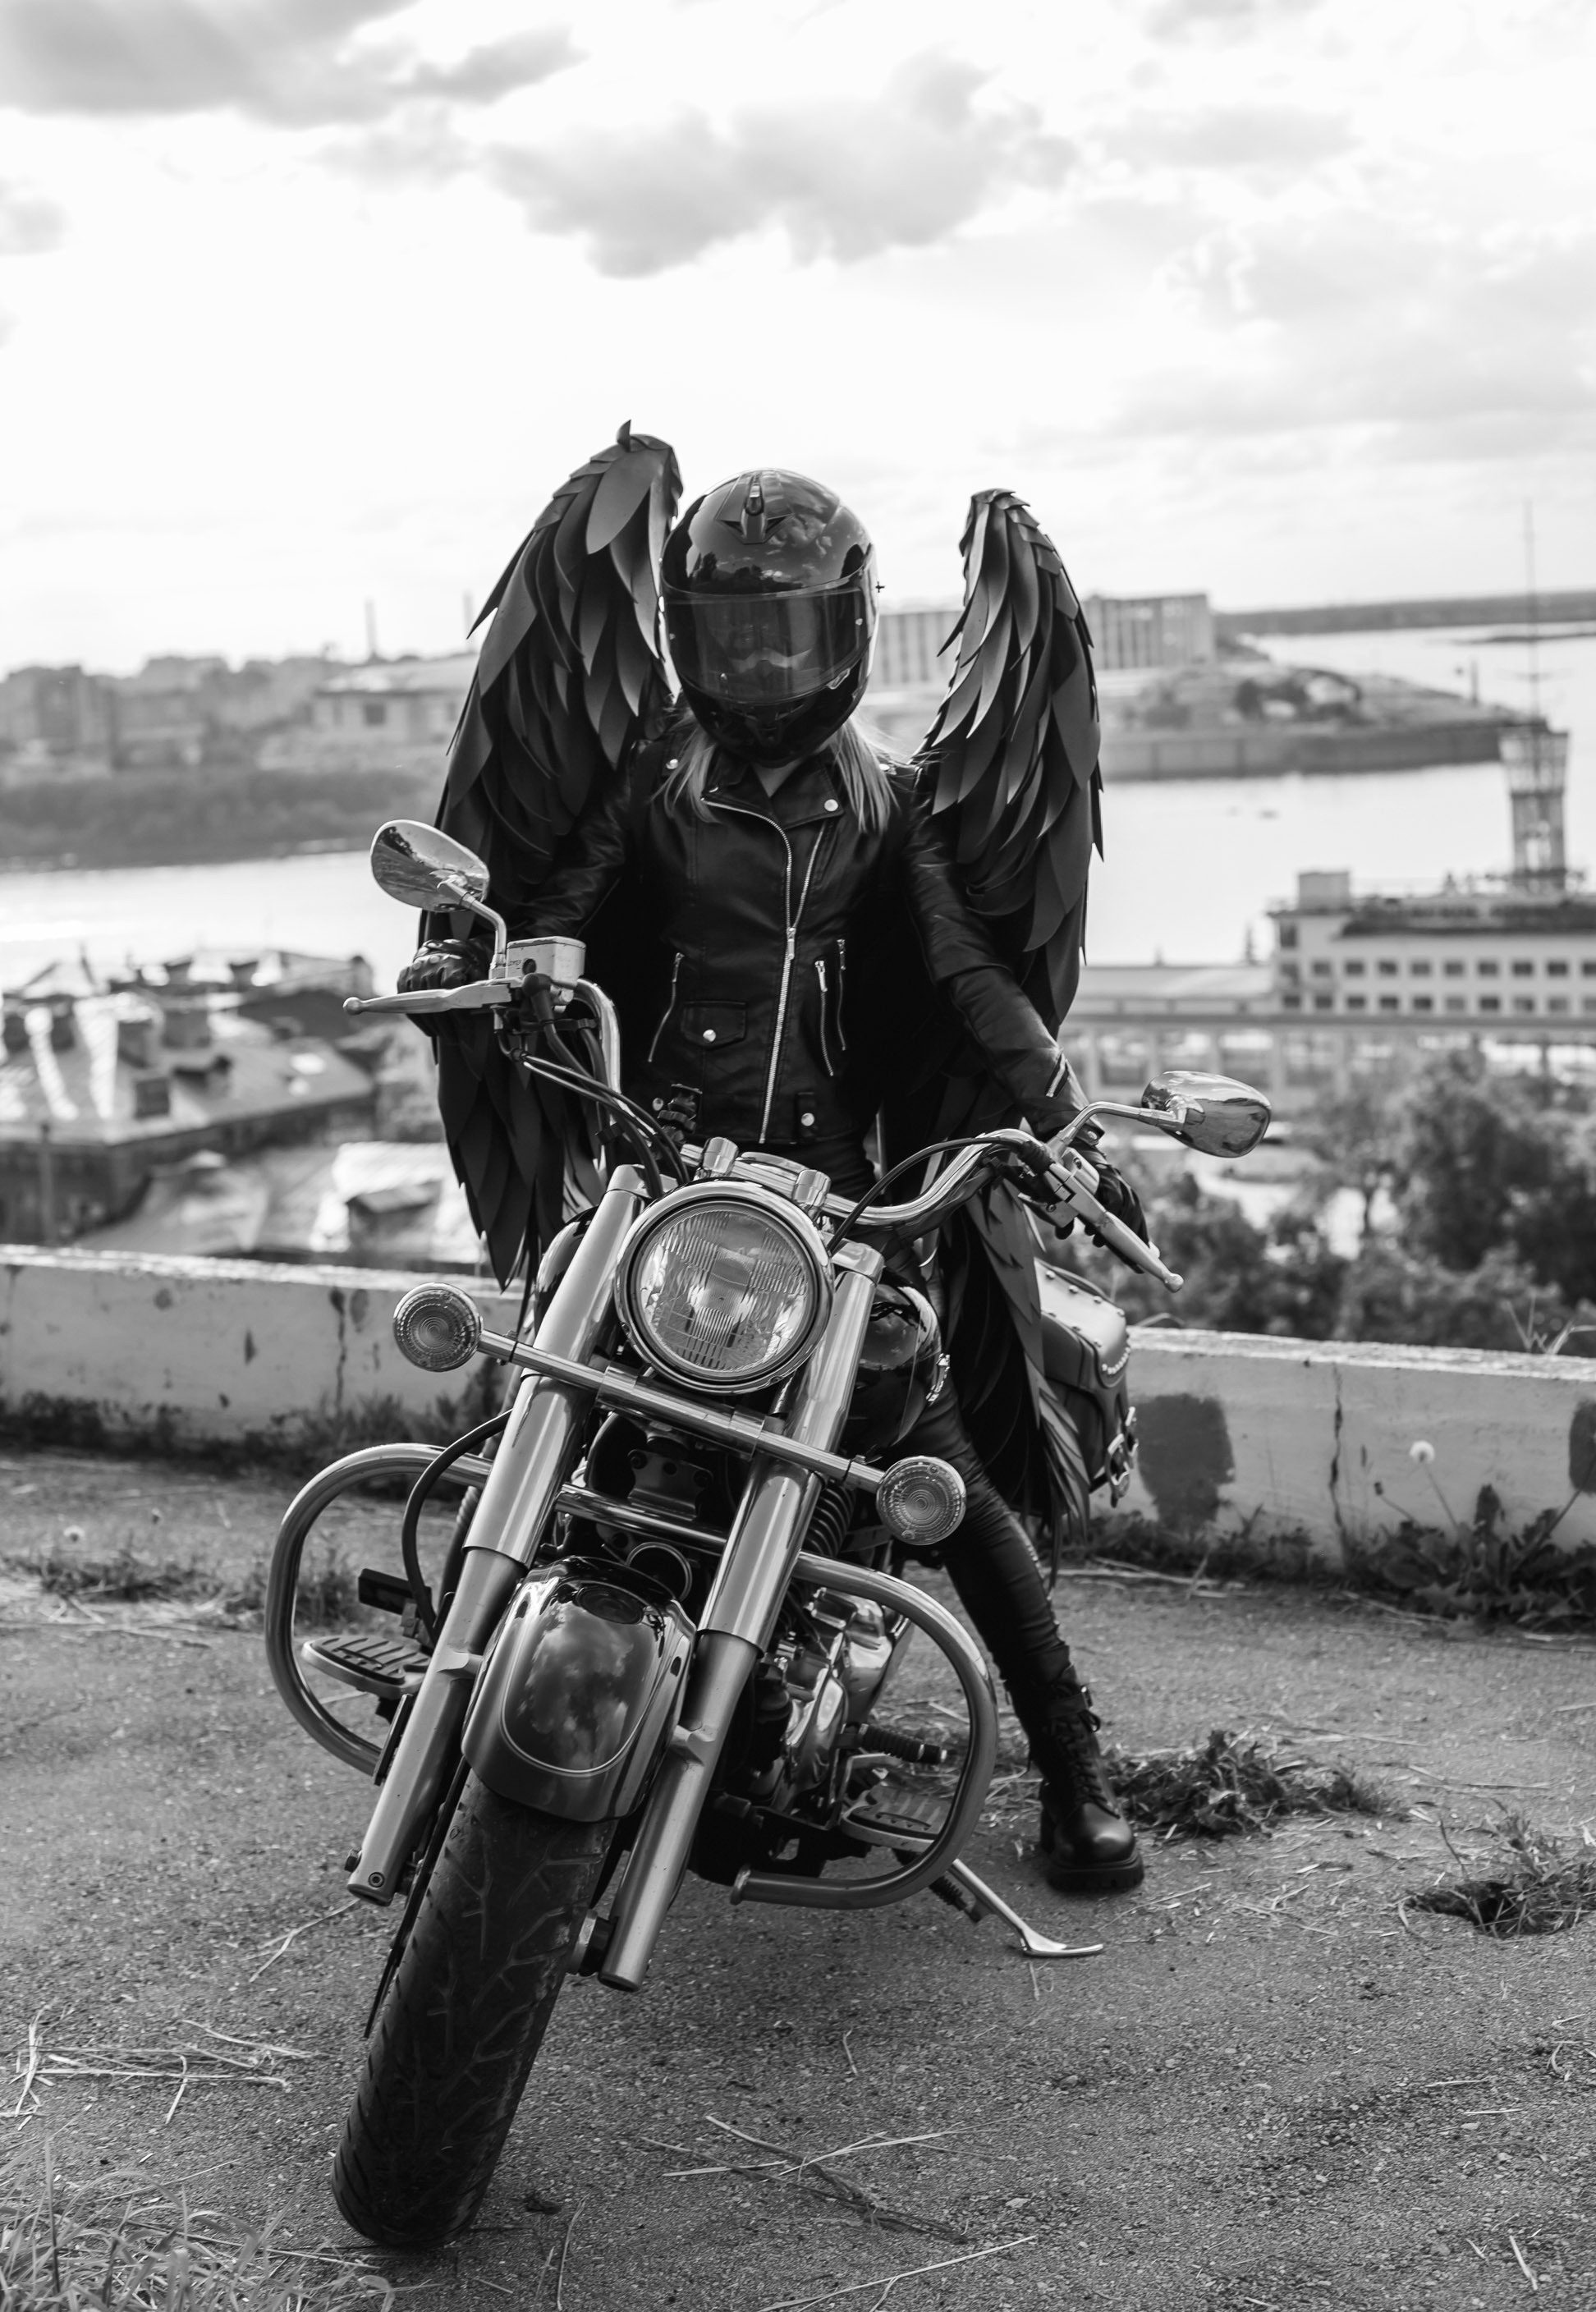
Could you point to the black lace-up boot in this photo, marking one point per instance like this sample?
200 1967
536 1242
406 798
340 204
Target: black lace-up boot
1087 1846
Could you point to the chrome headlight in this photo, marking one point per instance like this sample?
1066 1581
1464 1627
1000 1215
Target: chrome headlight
724 1287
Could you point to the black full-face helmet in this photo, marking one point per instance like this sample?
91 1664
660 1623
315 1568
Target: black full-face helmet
768 587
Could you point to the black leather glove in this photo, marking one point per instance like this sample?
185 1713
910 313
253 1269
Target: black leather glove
445 963
1117 1197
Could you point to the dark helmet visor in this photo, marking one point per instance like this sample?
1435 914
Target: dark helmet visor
758 650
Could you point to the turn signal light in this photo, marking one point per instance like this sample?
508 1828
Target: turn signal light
921 1500
437 1328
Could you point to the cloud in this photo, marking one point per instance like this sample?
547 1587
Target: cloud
1184 19
28 222
1233 136
845 179
1429 332
288 62
494 70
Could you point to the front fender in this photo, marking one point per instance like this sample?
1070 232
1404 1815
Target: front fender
583 1686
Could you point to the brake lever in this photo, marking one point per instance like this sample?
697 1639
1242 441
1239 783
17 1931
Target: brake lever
1070 1185
423 1003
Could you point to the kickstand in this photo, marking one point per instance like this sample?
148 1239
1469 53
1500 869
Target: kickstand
976 1898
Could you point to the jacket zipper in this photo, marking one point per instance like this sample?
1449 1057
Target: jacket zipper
842 993
825 1004
792 923
669 1007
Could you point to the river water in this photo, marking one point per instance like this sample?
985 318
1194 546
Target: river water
1191 867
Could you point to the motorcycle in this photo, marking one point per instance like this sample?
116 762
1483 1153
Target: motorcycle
665 1616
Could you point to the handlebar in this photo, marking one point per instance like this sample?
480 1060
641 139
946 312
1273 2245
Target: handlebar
1067 1175
1070 1178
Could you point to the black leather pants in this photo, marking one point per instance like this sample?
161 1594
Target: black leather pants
989 1560
991 1565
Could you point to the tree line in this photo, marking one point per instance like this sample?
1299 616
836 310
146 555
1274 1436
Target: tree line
180 818
1477 1193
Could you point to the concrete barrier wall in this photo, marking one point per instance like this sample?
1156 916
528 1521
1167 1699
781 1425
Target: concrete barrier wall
206 1351
1285 1440
1316 1438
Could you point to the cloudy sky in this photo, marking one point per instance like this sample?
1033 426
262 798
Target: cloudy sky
304 302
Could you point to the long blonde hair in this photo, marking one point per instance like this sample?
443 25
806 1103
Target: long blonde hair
865 769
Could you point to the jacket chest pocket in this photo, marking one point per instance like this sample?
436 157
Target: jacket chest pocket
713 1024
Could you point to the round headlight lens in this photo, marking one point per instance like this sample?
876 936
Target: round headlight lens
726 1292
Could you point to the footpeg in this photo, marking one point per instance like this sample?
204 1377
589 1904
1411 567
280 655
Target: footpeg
893 1816
389 1667
909 1747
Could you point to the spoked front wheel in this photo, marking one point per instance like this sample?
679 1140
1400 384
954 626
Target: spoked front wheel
463 2021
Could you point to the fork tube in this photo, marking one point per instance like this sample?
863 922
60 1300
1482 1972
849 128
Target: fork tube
533 1463
734 1629
769 1531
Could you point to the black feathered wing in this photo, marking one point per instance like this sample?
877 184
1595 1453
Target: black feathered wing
569 677
1011 760
1010 767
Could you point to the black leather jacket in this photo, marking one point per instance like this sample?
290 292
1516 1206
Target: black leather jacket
766 911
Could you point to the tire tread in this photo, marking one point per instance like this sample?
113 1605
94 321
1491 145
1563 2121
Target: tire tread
464 2017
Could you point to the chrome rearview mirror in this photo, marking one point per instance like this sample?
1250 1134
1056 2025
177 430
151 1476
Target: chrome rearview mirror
426 868
1214 1114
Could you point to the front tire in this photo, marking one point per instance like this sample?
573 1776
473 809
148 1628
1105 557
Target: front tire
463 2023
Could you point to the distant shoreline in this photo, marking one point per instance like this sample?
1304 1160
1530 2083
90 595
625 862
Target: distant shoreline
200 818
68 862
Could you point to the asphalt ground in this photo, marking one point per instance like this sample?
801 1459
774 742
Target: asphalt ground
1272 2088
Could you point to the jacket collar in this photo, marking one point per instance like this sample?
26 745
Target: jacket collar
813 793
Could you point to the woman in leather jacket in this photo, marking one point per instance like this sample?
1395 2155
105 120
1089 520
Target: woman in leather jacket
774 853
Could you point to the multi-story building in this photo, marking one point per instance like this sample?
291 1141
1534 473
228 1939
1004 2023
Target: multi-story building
388 714
55 722
1150 630
1131 633
1492 956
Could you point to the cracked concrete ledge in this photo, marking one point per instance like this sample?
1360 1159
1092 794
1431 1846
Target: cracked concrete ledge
1300 1440
1314 1440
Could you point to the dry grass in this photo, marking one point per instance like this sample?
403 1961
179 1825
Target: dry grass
328 1590
1541 1890
1480 1571
214 2059
118 2243
124 1577
1231 1783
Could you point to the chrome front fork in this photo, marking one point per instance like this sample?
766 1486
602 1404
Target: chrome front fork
764 1546
534 1458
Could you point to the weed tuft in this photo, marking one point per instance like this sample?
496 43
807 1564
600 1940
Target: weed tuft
1482 1572
1543 1889
1231 1784
125 1578
328 1597
118 2244
1475 1572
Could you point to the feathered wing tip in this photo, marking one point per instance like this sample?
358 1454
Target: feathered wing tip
569 675
1011 758
570 670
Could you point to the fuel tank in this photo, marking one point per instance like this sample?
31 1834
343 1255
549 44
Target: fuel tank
900 1370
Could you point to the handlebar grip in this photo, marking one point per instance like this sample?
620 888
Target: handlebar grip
1130 1248
1074 1194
